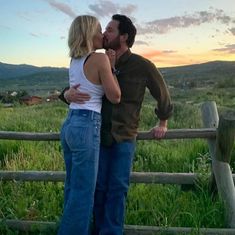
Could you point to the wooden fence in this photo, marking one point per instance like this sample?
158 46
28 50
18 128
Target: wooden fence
219 133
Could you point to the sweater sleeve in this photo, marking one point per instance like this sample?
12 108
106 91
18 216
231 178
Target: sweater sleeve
61 95
160 92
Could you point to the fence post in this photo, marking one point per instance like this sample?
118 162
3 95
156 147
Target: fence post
210 119
220 149
221 167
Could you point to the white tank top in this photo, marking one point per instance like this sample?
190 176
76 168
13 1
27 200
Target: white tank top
77 76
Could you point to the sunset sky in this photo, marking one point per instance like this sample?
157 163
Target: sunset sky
169 32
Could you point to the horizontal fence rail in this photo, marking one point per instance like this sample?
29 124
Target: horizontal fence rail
136 177
144 135
28 226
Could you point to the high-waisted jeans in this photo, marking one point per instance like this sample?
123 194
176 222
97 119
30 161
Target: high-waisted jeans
80 139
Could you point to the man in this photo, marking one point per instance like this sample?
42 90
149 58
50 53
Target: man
120 123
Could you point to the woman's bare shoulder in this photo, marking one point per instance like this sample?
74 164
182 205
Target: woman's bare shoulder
100 57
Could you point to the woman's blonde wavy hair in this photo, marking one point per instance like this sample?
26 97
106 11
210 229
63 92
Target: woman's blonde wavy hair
81 33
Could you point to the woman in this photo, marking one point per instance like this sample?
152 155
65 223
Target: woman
80 133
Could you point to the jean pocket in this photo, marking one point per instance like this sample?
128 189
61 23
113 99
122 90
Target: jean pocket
77 137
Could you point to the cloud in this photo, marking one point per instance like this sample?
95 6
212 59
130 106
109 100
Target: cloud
34 35
151 54
103 8
62 7
230 49
107 8
24 15
162 26
139 42
165 57
232 30
128 10
168 51
5 27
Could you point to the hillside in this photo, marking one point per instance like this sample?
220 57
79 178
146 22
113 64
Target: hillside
36 83
14 71
40 79
201 74
33 79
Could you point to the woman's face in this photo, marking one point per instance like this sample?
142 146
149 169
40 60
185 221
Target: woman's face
98 38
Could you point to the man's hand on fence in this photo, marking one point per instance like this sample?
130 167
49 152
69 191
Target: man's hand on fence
160 130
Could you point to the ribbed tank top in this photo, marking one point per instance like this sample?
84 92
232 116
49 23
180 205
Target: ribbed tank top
77 76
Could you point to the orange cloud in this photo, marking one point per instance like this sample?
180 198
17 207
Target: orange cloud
230 49
152 54
164 58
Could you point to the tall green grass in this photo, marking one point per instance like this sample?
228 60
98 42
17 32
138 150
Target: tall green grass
159 205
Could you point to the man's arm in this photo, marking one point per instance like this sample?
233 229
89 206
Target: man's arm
164 108
61 96
73 94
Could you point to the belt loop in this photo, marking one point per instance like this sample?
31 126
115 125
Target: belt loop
69 113
92 115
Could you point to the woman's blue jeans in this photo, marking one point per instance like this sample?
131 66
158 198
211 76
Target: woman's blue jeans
80 139
115 163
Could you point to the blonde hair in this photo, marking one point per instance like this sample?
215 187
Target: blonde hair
81 33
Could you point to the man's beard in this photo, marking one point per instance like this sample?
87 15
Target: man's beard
114 44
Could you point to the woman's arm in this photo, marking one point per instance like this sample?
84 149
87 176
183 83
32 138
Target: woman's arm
108 79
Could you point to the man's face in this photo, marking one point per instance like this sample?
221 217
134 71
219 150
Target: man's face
111 36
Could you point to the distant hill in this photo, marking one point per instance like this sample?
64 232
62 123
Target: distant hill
12 71
205 73
33 79
41 79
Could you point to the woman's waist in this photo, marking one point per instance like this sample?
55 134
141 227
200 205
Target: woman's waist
88 105
91 114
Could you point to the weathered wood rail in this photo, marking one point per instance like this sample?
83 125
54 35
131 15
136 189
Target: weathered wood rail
219 133
171 134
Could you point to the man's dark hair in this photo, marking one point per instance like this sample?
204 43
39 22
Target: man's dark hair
126 27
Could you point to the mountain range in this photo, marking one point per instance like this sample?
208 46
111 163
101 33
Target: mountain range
214 70
12 71
33 78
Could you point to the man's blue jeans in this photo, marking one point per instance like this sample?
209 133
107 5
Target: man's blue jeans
115 165
80 139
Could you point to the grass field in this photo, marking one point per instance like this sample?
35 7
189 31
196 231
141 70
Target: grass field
158 205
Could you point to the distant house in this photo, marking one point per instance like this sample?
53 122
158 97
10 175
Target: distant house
30 100
53 97
14 93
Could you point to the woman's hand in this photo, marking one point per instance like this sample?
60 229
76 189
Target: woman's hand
112 57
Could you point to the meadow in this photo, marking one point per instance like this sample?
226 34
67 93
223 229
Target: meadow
157 205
